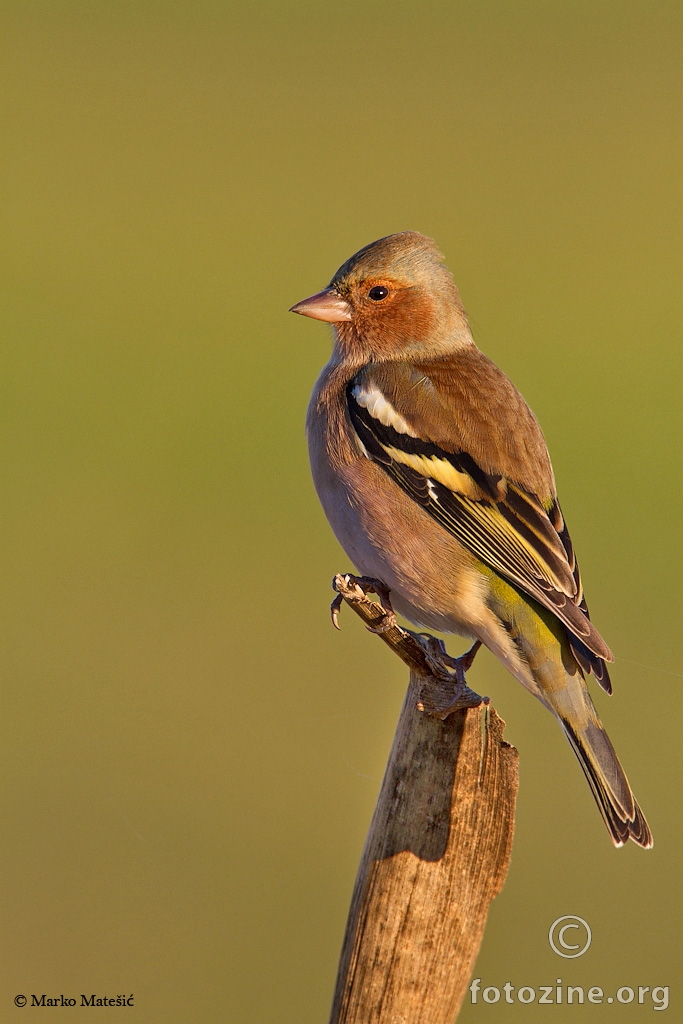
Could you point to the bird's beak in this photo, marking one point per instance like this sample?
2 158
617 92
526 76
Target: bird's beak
326 305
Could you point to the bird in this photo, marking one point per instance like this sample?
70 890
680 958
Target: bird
435 477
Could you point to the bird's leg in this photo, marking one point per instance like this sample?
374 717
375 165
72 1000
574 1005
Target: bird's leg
367 585
462 664
452 670
443 687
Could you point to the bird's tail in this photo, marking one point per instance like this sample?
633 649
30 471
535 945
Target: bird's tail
562 688
608 782
545 663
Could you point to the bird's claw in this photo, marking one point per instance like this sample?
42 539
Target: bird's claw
451 671
335 608
462 664
365 585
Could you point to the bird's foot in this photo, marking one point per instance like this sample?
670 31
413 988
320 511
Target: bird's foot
349 587
451 671
462 664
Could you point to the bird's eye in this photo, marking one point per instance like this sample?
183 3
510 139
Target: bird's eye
378 293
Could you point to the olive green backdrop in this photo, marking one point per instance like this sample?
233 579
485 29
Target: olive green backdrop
191 754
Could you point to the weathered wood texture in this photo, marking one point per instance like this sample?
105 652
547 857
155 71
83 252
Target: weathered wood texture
437 853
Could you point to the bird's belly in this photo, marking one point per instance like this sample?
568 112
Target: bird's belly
433 580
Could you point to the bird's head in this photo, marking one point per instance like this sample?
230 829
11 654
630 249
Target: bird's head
391 296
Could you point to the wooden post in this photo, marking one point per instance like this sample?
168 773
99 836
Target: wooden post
437 851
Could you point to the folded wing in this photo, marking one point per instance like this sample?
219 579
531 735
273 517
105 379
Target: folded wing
505 525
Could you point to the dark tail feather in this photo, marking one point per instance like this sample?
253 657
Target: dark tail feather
590 662
622 815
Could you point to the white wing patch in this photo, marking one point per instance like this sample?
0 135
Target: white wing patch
372 399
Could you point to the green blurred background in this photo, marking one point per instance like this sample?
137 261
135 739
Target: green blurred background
191 753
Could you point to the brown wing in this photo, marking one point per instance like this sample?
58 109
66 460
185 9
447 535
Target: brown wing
464 467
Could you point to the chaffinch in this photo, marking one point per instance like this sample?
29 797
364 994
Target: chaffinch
435 477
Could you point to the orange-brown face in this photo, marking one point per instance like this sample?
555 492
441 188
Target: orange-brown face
387 313
393 294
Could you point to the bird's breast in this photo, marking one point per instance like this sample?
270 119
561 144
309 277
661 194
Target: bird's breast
434 580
